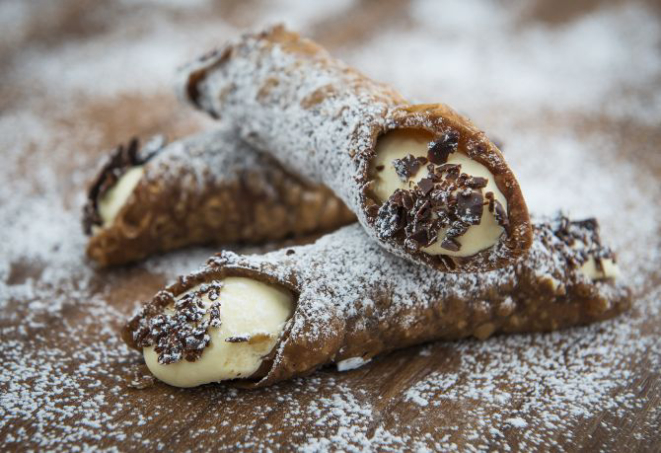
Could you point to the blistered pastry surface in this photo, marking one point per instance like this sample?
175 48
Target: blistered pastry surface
80 77
381 302
321 118
208 188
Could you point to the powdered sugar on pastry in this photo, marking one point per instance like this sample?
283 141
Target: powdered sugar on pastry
380 302
207 188
272 81
62 368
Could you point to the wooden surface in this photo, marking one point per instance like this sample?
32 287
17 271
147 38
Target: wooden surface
74 85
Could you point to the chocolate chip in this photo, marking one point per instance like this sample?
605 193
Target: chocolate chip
408 166
440 149
458 228
426 185
420 236
490 200
451 244
183 334
476 182
390 219
422 210
470 206
380 167
500 214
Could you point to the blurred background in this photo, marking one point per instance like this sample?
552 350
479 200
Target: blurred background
575 83
473 54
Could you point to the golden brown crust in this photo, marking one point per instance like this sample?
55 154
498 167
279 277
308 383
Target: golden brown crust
353 299
321 119
210 188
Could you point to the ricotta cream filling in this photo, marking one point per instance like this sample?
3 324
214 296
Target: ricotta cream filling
249 309
398 144
114 199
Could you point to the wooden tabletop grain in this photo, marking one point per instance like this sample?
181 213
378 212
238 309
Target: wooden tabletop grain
67 382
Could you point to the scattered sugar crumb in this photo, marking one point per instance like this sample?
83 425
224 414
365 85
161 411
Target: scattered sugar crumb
533 85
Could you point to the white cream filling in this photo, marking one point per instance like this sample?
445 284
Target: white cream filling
248 308
590 270
112 201
400 143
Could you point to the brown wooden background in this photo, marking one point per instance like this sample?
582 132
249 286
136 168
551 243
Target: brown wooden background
63 382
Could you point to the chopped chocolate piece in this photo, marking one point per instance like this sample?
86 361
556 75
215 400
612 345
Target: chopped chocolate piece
447 262
420 236
213 294
380 167
451 244
490 201
164 298
500 214
441 199
422 210
469 206
440 150
408 166
426 185
411 245
214 315
184 333
408 199
396 197
390 218
476 182
589 224
598 264
448 171
457 229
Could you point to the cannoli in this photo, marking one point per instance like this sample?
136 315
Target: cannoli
423 180
262 319
209 188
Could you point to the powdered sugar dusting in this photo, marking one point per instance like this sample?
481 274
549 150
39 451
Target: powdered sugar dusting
490 58
62 367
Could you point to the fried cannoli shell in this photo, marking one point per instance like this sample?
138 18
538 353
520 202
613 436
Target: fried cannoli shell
321 119
354 300
208 188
